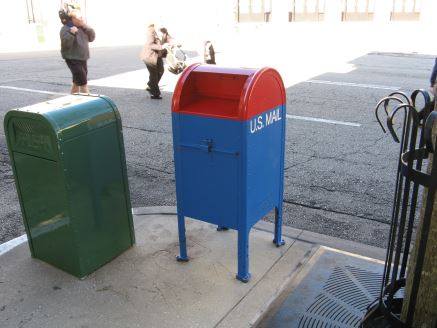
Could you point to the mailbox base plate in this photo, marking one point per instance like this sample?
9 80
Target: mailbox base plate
281 243
182 259
245 278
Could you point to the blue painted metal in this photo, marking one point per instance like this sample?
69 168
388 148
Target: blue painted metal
229 172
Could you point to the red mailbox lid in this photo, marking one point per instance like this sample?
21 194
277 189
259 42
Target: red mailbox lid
229 93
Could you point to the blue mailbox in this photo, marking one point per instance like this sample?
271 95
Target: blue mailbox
229 143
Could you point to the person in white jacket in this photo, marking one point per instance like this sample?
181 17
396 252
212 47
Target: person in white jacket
152 57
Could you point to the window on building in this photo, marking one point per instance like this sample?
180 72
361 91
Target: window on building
38 11
30 12
306 10
406 10
358 10
254 11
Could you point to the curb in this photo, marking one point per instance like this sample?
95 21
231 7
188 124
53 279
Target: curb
11 244
155 210
303 235
293 233
152 210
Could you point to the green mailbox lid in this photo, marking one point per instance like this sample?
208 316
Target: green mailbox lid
73 115
37 129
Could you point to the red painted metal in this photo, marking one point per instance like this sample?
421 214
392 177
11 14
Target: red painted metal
229 93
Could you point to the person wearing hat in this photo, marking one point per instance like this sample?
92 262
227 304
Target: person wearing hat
151 55
75 35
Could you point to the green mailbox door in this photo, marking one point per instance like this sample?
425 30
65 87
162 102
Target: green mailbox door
70 171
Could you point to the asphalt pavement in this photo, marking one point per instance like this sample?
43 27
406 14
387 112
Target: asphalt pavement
339 166
336 212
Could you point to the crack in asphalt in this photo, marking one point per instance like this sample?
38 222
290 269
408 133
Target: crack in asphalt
377 198
335 211
152 168
144 130
333 158
364 149
299 164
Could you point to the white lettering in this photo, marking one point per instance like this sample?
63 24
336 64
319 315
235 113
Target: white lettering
257 123
260 122
269 118
252 125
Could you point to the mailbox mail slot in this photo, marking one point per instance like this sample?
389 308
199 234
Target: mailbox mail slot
229 137
68 160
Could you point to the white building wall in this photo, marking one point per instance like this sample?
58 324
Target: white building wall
280 10
125 23
382 11
428 14
333 9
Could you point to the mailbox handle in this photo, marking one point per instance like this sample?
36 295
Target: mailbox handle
207 146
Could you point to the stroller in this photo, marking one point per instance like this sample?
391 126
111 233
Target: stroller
176 59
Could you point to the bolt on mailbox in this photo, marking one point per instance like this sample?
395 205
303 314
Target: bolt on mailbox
69 166
229 143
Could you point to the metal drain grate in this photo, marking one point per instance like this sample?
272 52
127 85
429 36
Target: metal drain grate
343 300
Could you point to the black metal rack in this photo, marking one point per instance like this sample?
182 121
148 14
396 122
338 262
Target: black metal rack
416 145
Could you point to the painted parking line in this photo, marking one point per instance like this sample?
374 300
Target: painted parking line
321 120
357 85
12 244
313 119
135 80
347 84
33 90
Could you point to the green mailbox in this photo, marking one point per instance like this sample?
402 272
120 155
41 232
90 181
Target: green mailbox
69 166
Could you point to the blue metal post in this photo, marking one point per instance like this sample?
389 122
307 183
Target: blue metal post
278 209
278 226
243 255
182 240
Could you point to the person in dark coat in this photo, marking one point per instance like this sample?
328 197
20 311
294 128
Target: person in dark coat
432 80
209 53
152 57
75 35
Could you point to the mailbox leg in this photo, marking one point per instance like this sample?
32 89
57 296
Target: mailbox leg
278 226
182 240
243 255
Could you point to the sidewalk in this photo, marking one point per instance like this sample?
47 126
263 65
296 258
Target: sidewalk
147 287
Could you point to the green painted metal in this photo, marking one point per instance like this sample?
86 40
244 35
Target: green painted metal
70 171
